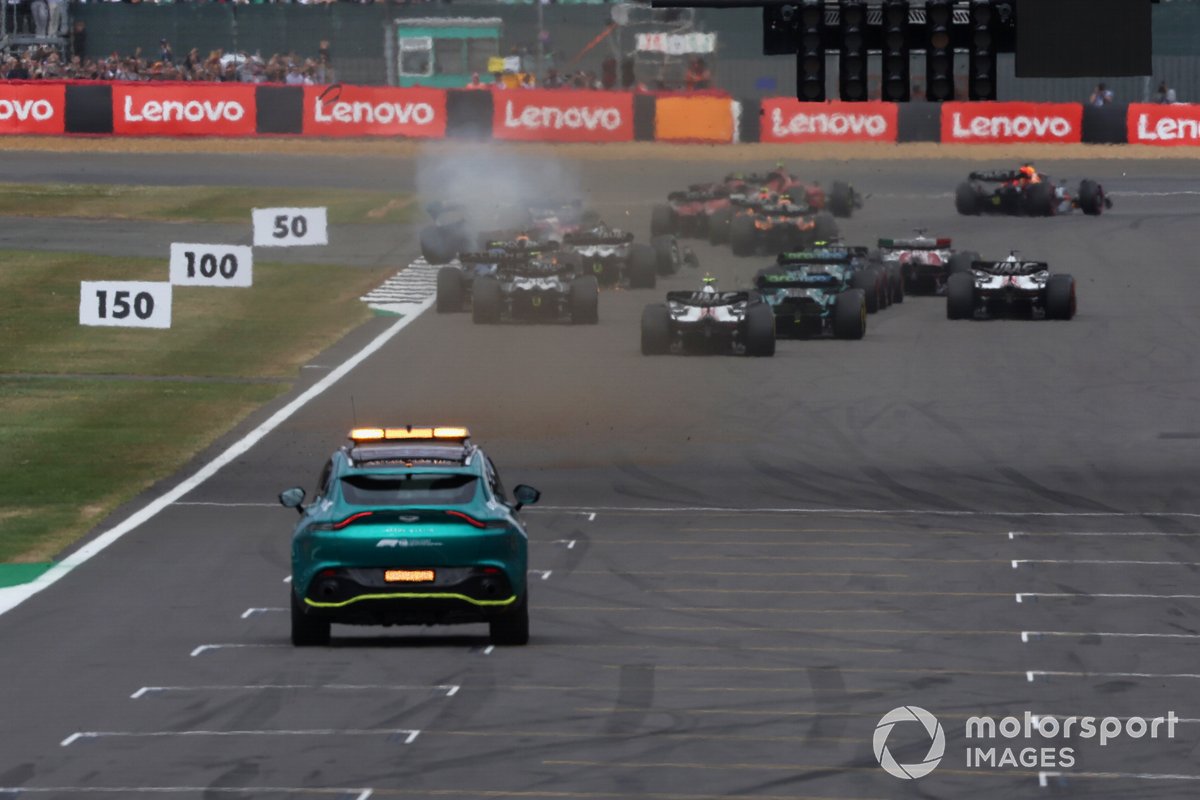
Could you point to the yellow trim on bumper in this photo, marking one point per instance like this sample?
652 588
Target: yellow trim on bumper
413 596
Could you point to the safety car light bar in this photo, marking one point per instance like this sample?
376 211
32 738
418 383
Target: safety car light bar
410 433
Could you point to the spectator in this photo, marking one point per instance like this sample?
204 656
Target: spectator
78 38
698 76
164 52
499 81
527 81
1101 96
1165 94
475 83
41 17
552 81
608 73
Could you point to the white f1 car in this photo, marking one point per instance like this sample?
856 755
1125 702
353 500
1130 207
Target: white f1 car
1010 288
709 321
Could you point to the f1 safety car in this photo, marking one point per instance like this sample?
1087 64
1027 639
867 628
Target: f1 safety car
812 294
410 526
1026 192
535 288
1011 288
776 222
924 263
709 321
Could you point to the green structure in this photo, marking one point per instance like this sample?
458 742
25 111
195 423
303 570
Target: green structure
442 52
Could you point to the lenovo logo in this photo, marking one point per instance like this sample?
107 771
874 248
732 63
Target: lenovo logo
1004 127
556 118
1167 130
375 113
787 120
1011 122
184 111
25 110
840 125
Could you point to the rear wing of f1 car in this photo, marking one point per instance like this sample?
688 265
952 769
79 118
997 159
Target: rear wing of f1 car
824 255
771 280
1010 267
915 244
996 175
592 239
708 299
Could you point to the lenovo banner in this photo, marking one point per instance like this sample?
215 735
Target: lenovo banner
32 107
544 115
182 109
1173 124
991 123
788 120
341 110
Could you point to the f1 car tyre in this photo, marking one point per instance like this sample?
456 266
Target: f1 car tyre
850 314
961 262
718 226
825 228
656 330
1060 297
960 296
966 200
450 290
486 302
867 280
896 279
662 220
511 629
642 267
439 244
1091 198
1040 200
742 235
760 331
583 301
841 199
667 256
885 286
307 631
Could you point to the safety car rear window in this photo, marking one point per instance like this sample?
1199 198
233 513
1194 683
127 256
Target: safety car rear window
424 489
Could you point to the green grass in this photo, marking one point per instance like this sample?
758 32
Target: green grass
74 445
198 203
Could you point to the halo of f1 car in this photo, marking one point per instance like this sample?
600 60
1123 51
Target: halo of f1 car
1026 192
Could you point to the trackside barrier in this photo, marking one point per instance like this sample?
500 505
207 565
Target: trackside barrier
543 115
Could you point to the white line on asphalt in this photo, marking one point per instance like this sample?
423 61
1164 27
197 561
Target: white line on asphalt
1027 635
570 543
450 689
204 648
1014 534
1099 562
225 505
11 599
364 794
1110 596
872 511
409 734
287 579
299 791
487 651
1044 777
1030 675
250 612
592 517
544 573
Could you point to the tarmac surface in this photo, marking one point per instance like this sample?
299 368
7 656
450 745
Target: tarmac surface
741 565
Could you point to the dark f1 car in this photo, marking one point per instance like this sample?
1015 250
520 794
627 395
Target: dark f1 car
777 222
1025 192
447 236
535 288
813 295
924 263
1010 288
612 256
456 281
709 321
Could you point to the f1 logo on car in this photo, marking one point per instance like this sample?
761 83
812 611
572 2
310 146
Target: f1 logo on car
788 120
557 116
1012 122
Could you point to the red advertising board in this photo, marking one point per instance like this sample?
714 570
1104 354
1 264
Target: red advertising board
991 123
343 110
182 109
788 120
546 115
32 107
1163 125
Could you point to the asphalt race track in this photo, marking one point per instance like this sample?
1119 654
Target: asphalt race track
741 565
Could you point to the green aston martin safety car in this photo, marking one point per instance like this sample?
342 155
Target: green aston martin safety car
410 526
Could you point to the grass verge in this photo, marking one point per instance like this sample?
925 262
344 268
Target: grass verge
197 203
83 410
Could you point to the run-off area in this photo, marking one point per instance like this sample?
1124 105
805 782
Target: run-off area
678 653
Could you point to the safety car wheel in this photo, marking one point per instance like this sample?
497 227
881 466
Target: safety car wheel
450 290
512 629
662 220
656 330
850 314
642 266
583 300
307 631
486 302
966 201
960 296
760 330
1060 297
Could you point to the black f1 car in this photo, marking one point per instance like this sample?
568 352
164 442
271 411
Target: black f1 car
1025 192
709 321
535 288
1010 288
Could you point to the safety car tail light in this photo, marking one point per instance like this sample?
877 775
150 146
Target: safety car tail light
337 526
475 523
